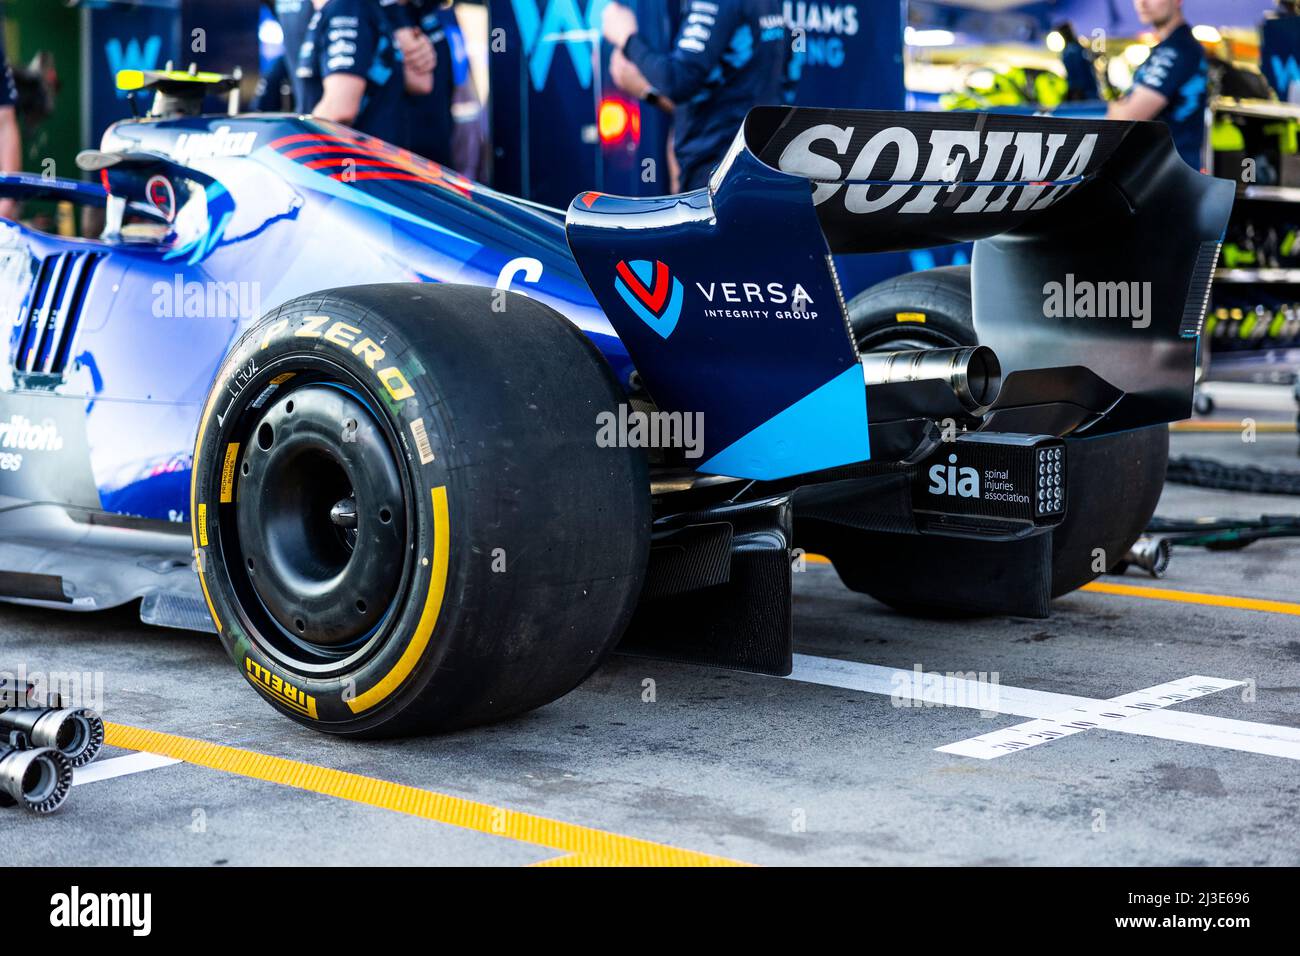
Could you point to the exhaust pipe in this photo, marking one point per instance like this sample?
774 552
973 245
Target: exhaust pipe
36 780
77 733
973 373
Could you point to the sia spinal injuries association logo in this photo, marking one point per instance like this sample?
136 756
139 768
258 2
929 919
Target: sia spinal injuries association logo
650 291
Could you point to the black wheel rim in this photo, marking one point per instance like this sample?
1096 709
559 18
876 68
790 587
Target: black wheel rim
316 542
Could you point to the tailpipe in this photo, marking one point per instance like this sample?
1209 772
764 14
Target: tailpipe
973 373
36 780
77 733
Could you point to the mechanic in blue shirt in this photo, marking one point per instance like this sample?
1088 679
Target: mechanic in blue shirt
11 140
429 114
351 70
730 55
1170 85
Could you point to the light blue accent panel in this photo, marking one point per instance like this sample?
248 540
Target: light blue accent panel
824 429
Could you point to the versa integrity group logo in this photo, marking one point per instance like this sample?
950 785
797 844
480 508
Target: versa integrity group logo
652 292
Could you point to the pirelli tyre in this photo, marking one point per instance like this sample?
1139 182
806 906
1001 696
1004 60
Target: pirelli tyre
916 310
937 576
402 519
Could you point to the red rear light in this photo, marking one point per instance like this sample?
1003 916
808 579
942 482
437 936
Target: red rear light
618 120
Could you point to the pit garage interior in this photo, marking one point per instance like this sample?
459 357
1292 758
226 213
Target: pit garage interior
1150 720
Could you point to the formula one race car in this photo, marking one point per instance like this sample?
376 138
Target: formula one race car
422 455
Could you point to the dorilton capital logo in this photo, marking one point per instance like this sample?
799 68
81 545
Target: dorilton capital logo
651 292
22 434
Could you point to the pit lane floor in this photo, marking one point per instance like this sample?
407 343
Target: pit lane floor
747 768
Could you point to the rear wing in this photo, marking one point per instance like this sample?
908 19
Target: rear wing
1094 250
180 92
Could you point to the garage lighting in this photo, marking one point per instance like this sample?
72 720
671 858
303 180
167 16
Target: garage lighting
270 33
1137 53
1119 73
914 37
1055 42
1206 33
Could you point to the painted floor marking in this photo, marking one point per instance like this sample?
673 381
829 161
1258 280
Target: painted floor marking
1274 428
912 685
572 859
1165 594
1194 597
1103 715
591 846
1260 427
119 767
1272 740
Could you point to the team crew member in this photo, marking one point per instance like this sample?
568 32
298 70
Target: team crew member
293 17
351 71
11 141
730 55
1170 85
429 113
269 97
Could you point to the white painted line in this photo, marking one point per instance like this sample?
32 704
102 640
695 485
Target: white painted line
1271 740
1103 714
936 689
119 767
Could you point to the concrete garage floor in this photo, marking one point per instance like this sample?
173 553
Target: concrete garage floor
754 769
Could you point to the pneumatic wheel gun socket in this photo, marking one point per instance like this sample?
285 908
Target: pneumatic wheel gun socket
77 733
36 780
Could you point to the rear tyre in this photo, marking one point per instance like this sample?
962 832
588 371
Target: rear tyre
403 521
1117 479
917 310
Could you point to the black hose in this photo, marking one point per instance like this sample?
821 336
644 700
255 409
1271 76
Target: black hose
1208 473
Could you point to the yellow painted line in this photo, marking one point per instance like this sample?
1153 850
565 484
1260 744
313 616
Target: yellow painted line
1277 428
573 859
1167 594
1194 597
428 617
1246 604
591 846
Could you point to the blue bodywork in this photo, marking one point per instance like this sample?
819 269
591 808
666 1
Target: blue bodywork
293 206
